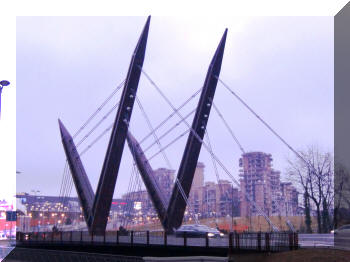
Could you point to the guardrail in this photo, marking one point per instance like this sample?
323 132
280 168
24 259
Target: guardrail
259 241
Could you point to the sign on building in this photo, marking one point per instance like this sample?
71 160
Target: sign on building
11 216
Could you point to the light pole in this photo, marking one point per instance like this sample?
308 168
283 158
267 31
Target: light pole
2 84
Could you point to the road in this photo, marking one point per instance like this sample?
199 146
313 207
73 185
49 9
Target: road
324 240
316 240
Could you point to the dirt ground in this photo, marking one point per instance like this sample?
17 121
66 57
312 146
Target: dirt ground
301 255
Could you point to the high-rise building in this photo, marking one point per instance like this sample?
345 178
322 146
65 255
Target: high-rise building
212 199
289 199
198 179
261 183
256 182
196 196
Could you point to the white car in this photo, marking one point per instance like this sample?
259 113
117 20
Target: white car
343 230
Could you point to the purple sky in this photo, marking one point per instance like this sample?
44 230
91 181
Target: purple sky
67 66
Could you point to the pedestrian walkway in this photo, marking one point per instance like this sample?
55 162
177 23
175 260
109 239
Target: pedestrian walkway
4 251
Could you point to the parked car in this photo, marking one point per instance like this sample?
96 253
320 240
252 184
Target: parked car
197 231
343 230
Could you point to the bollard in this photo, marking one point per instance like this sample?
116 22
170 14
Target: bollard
296 244
267 241
104 236
92 237
165 238
259 241
147 237
206 240
61 236
230 242
117 237
185 238
132 238
71 236
291 244
52 235
81 236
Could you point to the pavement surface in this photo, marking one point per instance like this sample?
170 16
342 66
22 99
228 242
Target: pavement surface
324 240
5 248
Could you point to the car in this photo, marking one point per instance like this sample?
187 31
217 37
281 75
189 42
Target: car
343 230
197 231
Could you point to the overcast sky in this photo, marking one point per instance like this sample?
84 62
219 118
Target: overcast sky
66 67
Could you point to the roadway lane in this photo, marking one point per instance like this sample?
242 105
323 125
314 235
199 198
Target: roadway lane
316 240
324 240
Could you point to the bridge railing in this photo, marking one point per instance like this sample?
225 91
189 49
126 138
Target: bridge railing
270 241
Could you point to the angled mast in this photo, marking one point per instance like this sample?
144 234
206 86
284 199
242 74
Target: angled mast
177 204
146 173
96 207
106 184
80 179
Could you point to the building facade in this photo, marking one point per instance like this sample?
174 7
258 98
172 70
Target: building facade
260 183
210 199
165 181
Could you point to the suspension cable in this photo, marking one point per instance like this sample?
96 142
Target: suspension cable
214 163
169 130
65 175
162 150
99 108
171 115
228 128
63 181
97 124
166 159
149 134
207 148
270 128
167 145
156 183
128 197
262 121
133 196
96 140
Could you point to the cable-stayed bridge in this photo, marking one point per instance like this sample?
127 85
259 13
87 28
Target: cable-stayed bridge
96 205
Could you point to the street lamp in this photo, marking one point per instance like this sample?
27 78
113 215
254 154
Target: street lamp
2 84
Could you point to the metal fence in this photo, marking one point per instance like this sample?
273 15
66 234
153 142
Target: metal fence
271 241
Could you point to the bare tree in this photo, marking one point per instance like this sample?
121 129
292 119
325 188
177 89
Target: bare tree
342 192
314 173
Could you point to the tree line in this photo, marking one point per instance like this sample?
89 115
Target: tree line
325 188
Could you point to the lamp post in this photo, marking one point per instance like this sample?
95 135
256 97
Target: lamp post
2 84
